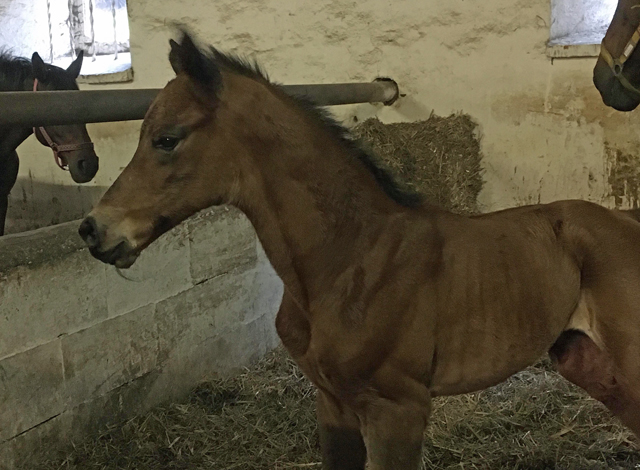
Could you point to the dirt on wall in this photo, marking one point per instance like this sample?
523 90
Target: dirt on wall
623 171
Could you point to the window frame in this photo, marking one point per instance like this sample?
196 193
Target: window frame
557 48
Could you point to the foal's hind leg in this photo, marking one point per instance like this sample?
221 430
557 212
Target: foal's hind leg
8 175
340 437
583 363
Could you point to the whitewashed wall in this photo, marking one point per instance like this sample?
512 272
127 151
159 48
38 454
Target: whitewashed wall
545 131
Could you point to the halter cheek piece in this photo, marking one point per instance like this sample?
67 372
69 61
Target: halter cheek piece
617 64
58 149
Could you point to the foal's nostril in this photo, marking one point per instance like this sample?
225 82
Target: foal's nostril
82 166
89 232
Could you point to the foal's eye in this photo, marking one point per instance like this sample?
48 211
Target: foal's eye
166 143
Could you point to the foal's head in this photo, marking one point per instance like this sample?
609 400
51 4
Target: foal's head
196 141
617 72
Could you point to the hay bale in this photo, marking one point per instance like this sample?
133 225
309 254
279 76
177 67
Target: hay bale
439 158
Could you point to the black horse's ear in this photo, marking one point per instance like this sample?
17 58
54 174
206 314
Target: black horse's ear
39 67
187 58
76 66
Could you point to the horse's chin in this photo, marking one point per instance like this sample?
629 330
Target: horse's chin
126 262
620 99
121 256
80 178
611 90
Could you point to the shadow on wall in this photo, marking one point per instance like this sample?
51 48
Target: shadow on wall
35 204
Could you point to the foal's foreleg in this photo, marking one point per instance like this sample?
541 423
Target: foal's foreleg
393 434
340 437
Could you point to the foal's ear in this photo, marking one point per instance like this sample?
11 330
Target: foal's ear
39 67
76 65
174 60
187 58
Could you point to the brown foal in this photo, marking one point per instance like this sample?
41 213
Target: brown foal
388 302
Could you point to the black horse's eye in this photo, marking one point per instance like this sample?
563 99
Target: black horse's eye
166 143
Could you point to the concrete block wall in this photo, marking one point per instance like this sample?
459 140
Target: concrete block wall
82 347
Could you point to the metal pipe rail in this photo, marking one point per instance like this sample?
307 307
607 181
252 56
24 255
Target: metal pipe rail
47 108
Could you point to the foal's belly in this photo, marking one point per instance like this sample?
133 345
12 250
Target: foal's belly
497 326
474 376
476 362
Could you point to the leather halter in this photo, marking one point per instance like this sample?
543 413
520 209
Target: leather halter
58 149
617 64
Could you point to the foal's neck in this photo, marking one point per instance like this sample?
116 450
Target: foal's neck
314 205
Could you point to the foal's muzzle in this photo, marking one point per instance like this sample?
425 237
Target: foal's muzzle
120 254
90 233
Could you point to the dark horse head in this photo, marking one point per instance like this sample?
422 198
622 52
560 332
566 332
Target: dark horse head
71 142
617 72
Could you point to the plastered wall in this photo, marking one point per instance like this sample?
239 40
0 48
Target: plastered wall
545 133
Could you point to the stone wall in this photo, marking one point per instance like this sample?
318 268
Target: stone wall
81 346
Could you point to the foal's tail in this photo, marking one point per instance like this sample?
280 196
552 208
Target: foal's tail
633 213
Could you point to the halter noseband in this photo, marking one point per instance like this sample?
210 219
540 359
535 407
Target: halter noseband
58 149
617 64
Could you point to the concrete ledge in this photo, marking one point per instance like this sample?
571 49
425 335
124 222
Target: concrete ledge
81 347
43 246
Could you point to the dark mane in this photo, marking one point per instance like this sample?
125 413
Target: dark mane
14 71
384 178
239 65
395 190
17 72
